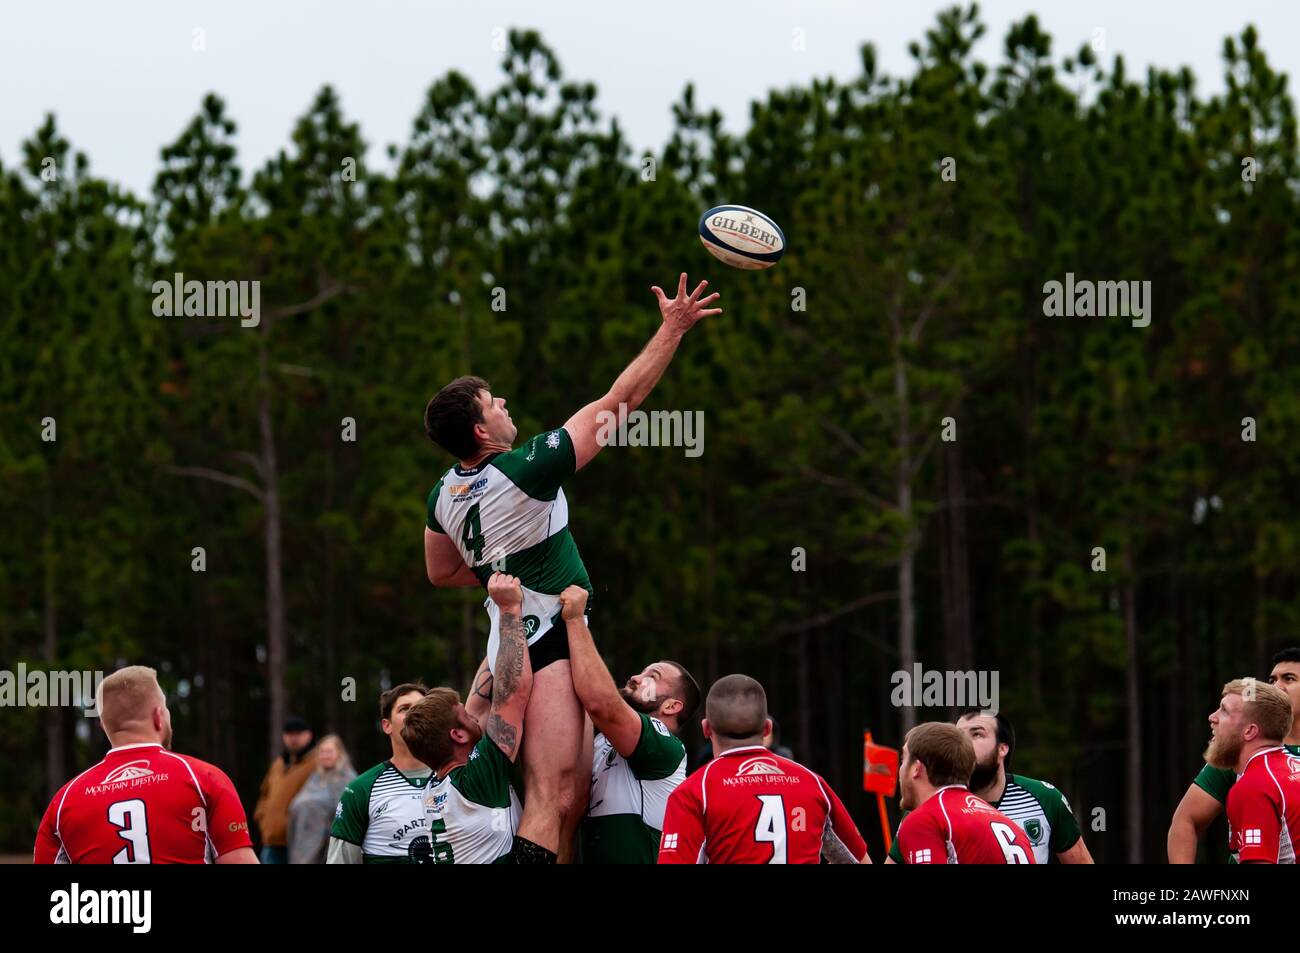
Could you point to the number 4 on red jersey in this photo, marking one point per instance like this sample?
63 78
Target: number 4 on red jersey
749 806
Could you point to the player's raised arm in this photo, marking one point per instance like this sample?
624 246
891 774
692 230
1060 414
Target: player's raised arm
513 682
592 682
639 378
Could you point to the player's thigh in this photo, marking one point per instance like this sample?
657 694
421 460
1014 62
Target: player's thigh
552 724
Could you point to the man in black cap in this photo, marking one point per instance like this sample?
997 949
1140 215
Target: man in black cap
284 779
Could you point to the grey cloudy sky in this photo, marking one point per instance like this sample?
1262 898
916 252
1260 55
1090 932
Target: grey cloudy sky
123 79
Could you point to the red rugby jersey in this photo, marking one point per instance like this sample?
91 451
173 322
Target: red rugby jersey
957 827
750 806
143 805
1264 809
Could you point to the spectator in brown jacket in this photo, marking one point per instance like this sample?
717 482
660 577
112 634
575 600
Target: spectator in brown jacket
284 779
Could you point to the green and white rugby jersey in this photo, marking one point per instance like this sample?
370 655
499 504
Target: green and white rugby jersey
510 511
1042 812
474 811
629 795
382 812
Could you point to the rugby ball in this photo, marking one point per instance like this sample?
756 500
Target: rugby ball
742 237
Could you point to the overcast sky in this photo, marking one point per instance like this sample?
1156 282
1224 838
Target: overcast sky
123 78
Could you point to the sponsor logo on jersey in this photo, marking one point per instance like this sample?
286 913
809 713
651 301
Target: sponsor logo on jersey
670 841
920 856
1252 837
663 729
338 810
133 774
465 489
1293 765
976 805
132 769
379 812
1034 828
760 770
406 828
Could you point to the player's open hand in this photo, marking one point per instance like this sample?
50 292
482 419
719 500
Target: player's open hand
685 309
506 591
573 602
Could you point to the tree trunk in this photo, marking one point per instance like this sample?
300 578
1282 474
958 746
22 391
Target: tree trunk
907 555
276 649
1128 599
954 567
55 755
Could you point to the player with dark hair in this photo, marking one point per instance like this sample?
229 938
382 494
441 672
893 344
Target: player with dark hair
1039 808
948 824
638 760
748 805
380 815
502 508
1208 793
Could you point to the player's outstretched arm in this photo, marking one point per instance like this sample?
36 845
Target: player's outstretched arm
1193 815
592 682
513 682
442 561
680 314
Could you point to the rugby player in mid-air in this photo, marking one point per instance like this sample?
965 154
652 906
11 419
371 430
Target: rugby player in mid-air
502 508
1038 807
638 760
1208 793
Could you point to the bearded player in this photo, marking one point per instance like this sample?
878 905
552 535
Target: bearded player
1040 810
1208 793
948 824
502 508
1264 804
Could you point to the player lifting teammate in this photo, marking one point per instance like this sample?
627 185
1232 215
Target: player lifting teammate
502 508
637 759
471 804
